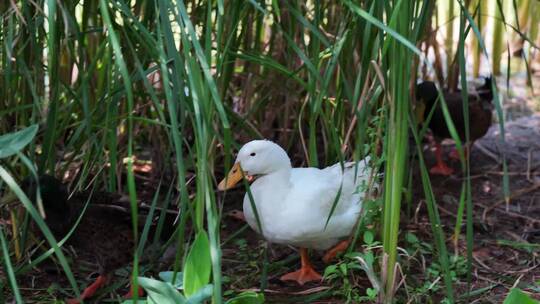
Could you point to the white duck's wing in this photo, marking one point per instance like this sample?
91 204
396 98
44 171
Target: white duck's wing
350 180
313 189
310 200
321 189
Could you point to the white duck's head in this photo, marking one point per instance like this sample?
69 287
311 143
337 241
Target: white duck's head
257 157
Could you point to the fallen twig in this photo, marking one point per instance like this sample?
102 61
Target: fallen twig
487 152
512 196
512 214
303 292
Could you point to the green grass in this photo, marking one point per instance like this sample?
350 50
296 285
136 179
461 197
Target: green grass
312 76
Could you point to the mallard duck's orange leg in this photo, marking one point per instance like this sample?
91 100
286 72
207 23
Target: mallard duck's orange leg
306 272
340 247
129 294
90 290
440 168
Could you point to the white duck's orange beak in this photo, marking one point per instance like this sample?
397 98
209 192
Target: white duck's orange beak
235 175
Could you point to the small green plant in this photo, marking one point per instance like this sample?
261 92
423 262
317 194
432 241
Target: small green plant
431 282
168 290
343 272
193 282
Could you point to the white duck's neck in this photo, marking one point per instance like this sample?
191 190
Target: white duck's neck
270 192
271 189
279 178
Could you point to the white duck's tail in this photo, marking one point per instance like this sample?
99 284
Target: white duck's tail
354 175
362 172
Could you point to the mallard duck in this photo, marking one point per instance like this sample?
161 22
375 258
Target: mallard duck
480 113
103 234
294 204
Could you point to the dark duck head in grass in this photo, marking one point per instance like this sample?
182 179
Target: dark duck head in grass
103 235
480 114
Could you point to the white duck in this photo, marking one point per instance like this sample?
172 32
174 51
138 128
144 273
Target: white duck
293 204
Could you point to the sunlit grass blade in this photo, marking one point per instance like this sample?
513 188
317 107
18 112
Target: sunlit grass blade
48 158
434 217
498 32
121 64
9 267
496 101
466 190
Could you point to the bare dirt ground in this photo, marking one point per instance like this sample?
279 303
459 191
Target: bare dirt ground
506 235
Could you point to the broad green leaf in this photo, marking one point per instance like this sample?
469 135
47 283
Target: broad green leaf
12 143
411 238
371 293
161 292
517 296
368 237
167 276
330 269
201 295
198 264
247 297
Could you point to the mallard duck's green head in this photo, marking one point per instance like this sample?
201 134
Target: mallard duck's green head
426 92
54 197
54 194
426 95
486 90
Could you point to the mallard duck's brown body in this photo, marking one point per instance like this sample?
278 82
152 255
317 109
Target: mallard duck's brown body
480 115
103 235
480 111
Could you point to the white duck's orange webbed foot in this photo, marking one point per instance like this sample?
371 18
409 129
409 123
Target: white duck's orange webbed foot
302 276
332 253
306 272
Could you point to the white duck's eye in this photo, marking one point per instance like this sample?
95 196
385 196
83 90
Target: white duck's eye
252 154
